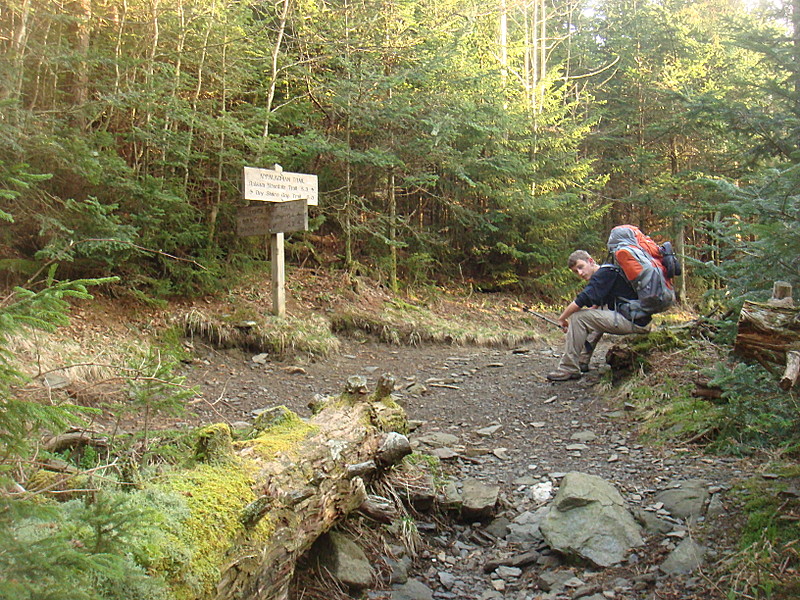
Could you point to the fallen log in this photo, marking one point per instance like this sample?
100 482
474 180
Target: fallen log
704 389
305 489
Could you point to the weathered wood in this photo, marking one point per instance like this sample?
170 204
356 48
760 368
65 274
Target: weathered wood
378 509
792 373
781 294
305 491
766 333
707 392
75 439
704 389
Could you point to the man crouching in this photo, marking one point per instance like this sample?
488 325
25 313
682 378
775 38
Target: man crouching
593 313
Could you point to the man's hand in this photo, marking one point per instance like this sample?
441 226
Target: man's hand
563 318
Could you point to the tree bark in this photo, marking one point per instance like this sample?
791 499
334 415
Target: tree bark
792 373
767 333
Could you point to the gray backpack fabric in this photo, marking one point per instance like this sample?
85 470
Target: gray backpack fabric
639 258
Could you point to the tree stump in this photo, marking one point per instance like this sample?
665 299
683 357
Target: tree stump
781 294
769 333
766 333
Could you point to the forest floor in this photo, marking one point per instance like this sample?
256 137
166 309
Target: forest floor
513 428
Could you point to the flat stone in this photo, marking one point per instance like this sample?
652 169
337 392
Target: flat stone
583 436
479 499
444 453
412 589
488 431
438 439
686 499
684 559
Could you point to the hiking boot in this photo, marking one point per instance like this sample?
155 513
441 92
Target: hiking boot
561 375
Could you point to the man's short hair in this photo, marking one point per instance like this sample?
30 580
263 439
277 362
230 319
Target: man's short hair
578 255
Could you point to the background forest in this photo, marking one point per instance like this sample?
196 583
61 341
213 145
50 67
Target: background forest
456 142
484 141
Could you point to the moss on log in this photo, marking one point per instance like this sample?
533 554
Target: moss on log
256 505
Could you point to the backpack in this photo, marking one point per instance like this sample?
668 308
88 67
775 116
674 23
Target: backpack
648 267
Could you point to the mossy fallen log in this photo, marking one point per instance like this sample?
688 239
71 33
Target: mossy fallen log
302 482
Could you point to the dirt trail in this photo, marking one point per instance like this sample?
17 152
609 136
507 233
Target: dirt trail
462 390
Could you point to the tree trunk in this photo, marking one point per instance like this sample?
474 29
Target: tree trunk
81 95
273 77
796 50
11 87
503 43
392 233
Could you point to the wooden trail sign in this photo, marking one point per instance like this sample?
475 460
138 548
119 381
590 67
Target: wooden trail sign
283 208
265 218
276 185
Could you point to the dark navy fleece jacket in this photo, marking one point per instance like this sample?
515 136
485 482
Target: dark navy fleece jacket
605 288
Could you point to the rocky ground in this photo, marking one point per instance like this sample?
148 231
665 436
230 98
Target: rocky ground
491 416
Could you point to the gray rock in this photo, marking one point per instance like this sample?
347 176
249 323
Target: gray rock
555 581
489 431
508 573
524 530
716 508
55 381
588 519
498 527
450 498
651 522
685 499
261 359
583 436
416 388
437 439
448 580
684 559
399 569
344 559
444 453
478 499
422 495
411 590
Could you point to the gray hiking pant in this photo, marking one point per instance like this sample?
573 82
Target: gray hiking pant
589 325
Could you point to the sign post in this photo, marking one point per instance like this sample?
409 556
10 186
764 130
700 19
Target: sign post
283 208
278 274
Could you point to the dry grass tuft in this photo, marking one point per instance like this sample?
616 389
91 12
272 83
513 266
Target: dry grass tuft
281 337
406 325
38 355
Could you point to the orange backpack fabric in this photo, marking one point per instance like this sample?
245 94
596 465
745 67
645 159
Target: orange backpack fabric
640 259
627 259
